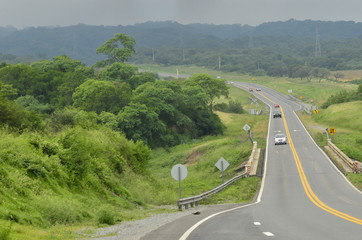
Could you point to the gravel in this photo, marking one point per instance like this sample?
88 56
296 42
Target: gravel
134 230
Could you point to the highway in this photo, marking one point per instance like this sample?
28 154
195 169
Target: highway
303 195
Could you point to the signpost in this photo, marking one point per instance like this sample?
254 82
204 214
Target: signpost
247 129
179 172
222 164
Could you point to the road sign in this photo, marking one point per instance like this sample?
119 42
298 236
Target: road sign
315 111
222 164
332 131
246 127
179 172
290 90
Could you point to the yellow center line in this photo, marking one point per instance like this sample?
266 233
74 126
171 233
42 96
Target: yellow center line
307 188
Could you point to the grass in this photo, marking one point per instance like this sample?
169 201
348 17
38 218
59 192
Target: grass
346 117
200 157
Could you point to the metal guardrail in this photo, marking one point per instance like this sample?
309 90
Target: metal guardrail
195 199
353 165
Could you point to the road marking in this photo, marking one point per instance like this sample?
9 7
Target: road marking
269 234
303 178
257 223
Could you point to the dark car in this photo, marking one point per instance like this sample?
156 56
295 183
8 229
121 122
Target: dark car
277 114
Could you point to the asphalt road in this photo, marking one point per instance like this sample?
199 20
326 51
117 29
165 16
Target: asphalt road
303 195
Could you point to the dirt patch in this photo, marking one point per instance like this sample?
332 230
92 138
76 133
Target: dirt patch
193 157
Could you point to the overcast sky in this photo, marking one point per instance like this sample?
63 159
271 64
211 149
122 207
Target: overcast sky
28 13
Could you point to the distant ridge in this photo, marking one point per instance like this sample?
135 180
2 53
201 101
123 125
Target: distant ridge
81 41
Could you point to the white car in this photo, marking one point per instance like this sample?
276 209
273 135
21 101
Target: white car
280 138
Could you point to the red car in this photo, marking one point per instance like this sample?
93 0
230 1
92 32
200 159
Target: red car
251 90
276 105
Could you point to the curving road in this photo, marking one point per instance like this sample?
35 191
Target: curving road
303 196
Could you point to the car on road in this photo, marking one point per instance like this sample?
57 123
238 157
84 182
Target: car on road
276 105
258 89
251 90
277 114
280 138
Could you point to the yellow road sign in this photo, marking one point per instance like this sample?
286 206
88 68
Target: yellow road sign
332 130
315 111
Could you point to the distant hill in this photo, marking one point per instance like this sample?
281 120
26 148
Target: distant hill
81 41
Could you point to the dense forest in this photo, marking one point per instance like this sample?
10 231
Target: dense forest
292 48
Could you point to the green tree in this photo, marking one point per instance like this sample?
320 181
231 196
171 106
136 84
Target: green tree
140 123
32 104
214 88
98 96
118 49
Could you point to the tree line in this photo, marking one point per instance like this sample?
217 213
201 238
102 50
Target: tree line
270 48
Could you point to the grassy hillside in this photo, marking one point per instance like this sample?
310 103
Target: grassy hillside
47 195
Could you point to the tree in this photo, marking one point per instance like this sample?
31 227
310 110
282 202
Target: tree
98 96
338 75
118 49
320 73
140 123
214 88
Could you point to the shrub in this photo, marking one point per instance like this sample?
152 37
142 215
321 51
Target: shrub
106 215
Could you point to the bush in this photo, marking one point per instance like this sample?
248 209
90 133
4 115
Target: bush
106 215
235 107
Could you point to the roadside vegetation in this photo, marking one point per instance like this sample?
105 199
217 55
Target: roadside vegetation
83 147
341 99
88 146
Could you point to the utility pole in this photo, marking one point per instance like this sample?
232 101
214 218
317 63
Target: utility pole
219 63
153 54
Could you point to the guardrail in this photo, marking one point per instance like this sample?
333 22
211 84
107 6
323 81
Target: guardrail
353 165
249 169
195 199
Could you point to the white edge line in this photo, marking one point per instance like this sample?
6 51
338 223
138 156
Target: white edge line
191 229
330 161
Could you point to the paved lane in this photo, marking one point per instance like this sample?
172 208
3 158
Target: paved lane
303 196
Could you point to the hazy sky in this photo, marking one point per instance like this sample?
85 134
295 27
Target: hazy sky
27 13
